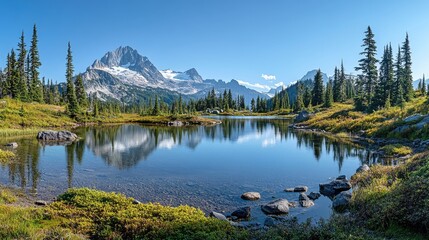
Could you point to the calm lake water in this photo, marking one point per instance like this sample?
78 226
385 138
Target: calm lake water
206 167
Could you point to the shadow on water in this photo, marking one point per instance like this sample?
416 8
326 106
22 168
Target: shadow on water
124 146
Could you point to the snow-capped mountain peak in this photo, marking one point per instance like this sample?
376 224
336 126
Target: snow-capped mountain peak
189 75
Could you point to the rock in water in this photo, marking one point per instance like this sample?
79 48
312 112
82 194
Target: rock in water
279 206
242 213
251 196
57 136
305 201
41 203
341 201
297 189
313 196
219 216
335 187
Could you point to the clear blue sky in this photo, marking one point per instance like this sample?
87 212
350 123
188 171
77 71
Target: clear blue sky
222 39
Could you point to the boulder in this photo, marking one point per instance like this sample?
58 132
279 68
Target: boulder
362 168
302 116
269 222
12 145
334 187
313 196
135 201
402 129
305 201
242 213
422 123
219 216
57 136
297 189
41 203
341 201
279 206
412 118
251 196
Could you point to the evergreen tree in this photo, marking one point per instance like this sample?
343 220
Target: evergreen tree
22 81
342 84
12 76
72 104
336 87
299 103
398 90
318 89
329 97
423 85
285 100
35 91
368 68
156 111
407 77
80 92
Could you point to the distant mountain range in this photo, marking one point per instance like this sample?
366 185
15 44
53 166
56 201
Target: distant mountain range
127 76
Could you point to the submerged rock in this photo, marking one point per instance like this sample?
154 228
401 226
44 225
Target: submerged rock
305 201
279 206
251 196
57 136
242 213
302 116
341 201
335 187
175 123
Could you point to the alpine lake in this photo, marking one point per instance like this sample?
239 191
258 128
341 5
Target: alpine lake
207 167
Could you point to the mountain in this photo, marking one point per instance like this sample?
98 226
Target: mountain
125 75
273 91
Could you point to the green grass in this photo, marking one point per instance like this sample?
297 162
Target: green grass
389 198
396 150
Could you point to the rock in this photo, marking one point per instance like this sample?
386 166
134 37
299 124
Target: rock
412 118
362 168
269 222
57 136
313 196
422 123
251 196
279 206
305 201
297 189
302 116
341 201
12 145
242 213
41 203
342 177
135 201
175 123
402 129
219 216
334 187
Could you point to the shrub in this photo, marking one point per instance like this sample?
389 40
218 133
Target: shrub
396 149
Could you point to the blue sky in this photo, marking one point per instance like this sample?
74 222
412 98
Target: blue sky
222 39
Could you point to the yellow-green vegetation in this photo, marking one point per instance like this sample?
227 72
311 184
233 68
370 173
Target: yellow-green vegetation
394 199
342 117
396 149
7 196
18 115
5 156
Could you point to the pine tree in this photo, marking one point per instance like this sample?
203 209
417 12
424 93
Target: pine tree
22 81
12 76
423 85
336 87
407 77
299 103
72 104
35 91
156 111
342 82
80 92
398 92
329 97
368 68
318 89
